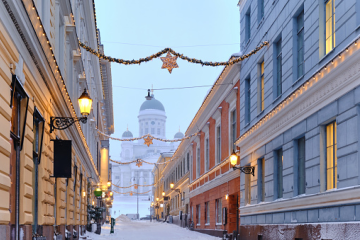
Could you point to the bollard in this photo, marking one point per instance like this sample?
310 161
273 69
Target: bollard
112 225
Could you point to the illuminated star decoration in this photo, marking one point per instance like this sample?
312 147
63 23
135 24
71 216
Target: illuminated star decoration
136 187
131 193
169 62
148 141
138 163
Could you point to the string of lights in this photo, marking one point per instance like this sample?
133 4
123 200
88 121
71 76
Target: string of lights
132 192
134 185
50 54
140 161
147 136
169 50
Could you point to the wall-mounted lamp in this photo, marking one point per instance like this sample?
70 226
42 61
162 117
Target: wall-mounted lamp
246 169
61 123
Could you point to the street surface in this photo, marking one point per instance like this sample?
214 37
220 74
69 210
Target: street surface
146 230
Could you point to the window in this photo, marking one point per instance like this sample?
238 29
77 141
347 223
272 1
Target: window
158 131
301 165
261 180
198 214
247 189
329 25
218 212
188 163
300 44
198 162
184 166
218 144
152 130
278 68
247 100
331 156
247 26
261 87
80 190
233 129
207 213
260 10
279 173
146 131
207 154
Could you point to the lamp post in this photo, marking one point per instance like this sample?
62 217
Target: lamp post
61 123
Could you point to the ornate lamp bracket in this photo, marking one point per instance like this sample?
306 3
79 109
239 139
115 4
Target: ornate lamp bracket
246 169
62 123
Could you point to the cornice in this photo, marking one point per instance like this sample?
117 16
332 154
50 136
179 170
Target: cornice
324 87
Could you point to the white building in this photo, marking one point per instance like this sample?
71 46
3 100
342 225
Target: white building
152 120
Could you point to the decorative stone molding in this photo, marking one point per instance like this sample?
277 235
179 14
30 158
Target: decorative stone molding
327 86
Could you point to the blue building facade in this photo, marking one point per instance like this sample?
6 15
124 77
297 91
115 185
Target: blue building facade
300 119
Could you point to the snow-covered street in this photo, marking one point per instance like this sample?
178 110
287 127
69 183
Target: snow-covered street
148 231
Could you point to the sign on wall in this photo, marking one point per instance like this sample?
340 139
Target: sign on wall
62 158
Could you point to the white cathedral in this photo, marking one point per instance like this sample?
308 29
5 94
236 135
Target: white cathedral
152 119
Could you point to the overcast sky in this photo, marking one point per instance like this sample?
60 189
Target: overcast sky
204 29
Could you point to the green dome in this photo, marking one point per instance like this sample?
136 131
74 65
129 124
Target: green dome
127 134
179 135
152 104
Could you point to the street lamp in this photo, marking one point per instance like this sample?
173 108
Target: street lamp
246 169
172 188
163 193
108 184
61 123
157 199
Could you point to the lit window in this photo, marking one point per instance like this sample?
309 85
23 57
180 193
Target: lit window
329 25
331 156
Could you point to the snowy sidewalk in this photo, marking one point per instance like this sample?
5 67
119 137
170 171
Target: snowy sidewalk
148 231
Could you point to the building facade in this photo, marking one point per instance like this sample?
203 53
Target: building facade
43 72
299 120
214 185
152 120
201 187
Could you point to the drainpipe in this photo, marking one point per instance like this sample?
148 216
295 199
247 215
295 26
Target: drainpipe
17 199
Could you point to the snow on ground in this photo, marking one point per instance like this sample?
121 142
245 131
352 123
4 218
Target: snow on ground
146 230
